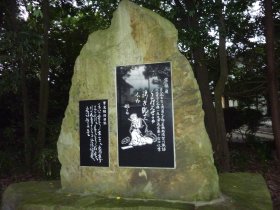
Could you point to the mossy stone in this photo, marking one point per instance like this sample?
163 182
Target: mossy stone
137 36
241 191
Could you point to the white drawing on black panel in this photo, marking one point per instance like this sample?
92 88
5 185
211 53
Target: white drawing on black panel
139 133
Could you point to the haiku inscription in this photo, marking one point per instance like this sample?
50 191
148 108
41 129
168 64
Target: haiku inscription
94 147
145 116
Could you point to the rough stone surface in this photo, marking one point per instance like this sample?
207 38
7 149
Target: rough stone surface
138 36
241 191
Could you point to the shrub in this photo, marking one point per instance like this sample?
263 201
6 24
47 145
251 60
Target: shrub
236 118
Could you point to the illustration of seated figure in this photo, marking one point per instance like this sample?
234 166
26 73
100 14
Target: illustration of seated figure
140 135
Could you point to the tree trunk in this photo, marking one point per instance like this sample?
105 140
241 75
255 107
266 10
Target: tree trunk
207 100
272 75
201 74
44 85
223 151
268 105
26 117
12 10
226 101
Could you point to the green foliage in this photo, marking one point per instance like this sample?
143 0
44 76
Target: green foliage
252 119
236 118
11 161
253 155
7 163
49 164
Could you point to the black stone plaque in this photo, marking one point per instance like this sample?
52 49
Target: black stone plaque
145 116
94 145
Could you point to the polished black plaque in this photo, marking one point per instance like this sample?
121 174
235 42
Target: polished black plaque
94 146
145 116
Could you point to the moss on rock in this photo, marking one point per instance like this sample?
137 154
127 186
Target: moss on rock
241 191
137 36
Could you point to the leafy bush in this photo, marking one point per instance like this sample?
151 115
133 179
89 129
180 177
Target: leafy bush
236 118
6 163
10 163
49 164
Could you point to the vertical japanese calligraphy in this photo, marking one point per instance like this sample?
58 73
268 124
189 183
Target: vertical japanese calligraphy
94 133
145 116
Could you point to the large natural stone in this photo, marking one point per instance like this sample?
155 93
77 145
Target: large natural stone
136 36
241 191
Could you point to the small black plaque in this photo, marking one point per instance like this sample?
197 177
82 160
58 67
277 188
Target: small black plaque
145 116
94 147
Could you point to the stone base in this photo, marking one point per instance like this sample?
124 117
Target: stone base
241 191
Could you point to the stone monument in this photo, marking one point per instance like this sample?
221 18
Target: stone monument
133 135
137 36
